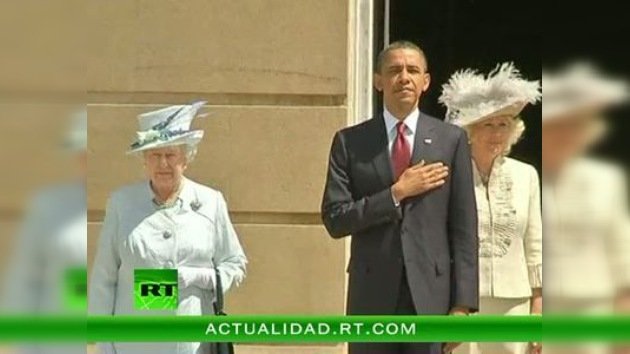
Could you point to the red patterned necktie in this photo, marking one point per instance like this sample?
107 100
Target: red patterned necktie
401 153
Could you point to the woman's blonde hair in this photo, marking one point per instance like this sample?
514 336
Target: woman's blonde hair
517 127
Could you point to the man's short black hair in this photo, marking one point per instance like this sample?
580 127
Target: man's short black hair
380 60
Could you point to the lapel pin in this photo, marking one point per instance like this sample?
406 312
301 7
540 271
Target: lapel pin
195 205
428 141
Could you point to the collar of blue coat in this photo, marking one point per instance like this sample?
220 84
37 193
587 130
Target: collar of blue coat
187 197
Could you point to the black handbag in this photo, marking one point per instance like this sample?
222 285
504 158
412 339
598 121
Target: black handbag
223 347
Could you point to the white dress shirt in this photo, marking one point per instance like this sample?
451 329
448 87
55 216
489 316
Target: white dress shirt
411 124
195 232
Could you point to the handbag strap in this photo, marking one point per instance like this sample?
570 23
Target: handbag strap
218 303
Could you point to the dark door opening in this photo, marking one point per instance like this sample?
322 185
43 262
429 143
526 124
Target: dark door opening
596 34
457 34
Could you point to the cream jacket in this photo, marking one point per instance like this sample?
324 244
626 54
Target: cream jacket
587 243
510 230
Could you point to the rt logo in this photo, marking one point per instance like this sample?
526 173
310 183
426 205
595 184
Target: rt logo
155 289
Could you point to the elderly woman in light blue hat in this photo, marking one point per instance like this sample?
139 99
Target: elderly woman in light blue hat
165 222
52 238
585 199
51 246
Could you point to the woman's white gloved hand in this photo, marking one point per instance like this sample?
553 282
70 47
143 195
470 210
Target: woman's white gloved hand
196 276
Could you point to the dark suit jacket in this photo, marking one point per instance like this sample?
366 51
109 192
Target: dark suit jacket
432 236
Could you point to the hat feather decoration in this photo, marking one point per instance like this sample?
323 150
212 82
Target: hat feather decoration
470 97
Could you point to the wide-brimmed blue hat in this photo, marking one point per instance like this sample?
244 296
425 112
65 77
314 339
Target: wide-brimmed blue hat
167 127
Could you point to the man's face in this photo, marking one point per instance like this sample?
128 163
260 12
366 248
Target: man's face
165 166
402 78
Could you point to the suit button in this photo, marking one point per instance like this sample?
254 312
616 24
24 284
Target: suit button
167 234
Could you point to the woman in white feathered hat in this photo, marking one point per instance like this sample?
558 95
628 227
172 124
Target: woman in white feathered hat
585 199
572 118
507 193
165 222
51 241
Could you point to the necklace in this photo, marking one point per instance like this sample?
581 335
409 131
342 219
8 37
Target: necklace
170 202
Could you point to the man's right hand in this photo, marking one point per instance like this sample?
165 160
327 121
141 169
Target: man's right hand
419 179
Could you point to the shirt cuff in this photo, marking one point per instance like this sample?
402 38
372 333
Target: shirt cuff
396 203
535 276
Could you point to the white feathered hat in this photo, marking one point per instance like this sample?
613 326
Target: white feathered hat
167 127
470 97
580 87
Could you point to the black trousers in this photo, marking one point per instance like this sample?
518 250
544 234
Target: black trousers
404 307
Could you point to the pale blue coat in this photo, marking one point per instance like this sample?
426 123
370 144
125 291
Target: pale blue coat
195 232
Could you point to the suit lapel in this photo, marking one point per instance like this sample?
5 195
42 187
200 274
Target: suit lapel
424 140
382 162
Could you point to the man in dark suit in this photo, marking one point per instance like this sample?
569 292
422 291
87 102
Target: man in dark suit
401 184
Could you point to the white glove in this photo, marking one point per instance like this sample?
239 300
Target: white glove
192 276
